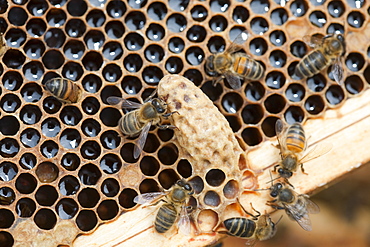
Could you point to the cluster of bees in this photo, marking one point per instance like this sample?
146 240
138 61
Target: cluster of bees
234 66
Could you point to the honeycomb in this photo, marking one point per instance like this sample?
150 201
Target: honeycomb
66 166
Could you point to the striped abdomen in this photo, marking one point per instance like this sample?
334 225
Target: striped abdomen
240 227
295 138
311 64
247 67
130 125
165 218
64 89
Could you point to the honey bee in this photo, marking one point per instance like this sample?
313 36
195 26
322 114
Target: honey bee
297 207
64 90
260 228
328 50
139 121
234 65
3 46
174 207
292 142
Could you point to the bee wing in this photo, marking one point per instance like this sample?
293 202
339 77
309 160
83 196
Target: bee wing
337 71
312 207
238 41
316 151
148 198
313 41
141 140
296 214
124 103
280 130
233 80
184 222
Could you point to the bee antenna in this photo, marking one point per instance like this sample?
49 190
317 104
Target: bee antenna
272 179
277 222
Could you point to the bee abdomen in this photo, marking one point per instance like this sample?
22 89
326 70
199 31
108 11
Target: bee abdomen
311 64
296 139
240 227
129 124
165 218
63 89
248 68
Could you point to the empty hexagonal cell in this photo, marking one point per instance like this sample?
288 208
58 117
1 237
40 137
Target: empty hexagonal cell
31 92
211 198
155 32
232 102
70 139
15 38
47 172
275 103
107 209
318 18
233 122
196 34
86 220
92 61
74 49
6 218
49 149
135 20
168 154
110 163
25 207
95 18
9 125
254 91
149 166
295 92
89 174
354 84
90 127
299 8
30 137
277 59
70 161
231 189
68 185
334 95
213 92
294 114
252 113
51 105
154 53
30 114
17 16
336 8
268 126
148 185
184 168
6 239
199 13
275 79
126 198
53 59
316 83
110 187
8 171
116 8
7 196
9 147
66 208
46 195
215 177
75 28
298 49
355 19
167 178
12 80
94 39
279 16
314 104
259 25
251 136
194 55
25 183
88 197
114 30
27 161
218 23
157 11
90 105
277 38
133 63
355 61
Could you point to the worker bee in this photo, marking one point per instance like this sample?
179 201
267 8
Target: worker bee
328 50
234 65
64 89
260 228
139 121
3 46
292 142
297 207
174 207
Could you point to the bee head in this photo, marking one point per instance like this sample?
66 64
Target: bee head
340 37
275 189
284 173
210 68
159 105
267 230
185 185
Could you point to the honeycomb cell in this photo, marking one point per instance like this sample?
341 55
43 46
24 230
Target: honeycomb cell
6 239
277 59
89 174
114 29
53 59
316 83
279 16
70 161
234 123
95 18
335 28
9 147
94 39
110 139
9 125
25 183
152 144
126 198
107 210
116 8
218 23
298 49
33 71
34 48
291 69
154 53
252 114
355 19
92 61
184 168
317 18
294 114
30 137
219 5
112 72
56 17
88 197
75 28
8 171
155 32
367 74
74 49
110 163
3 6
216 44
134 41
334 95
251 136
66 208
196 34
46 195
47 172
25 207
215 177
260 6
211 198
110 187
110 116
17 16
45 219
275 80
90 127
68 185
176 23
15 38
86 220
254 91
76 7
157 11
31 92
174 65
231 189
110 91
299 8
36 27
314 104
70 138
147 186
232 102
317 2
151 76
14 59
133 63
54 38
199 13
213 92
336 8
354 84
235 31
90 105
6 218
274 103
259 25
194 75
295 92
70 115
277 38
51 105
91 83
149 166
135 20
7 195
197 184
268 126
194 55
167 178
168 154
28 161
258 46
12 80
355 61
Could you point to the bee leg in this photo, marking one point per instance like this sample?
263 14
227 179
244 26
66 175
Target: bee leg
274 206
166 126
291 185
275 167
245 211
302 169
170 113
